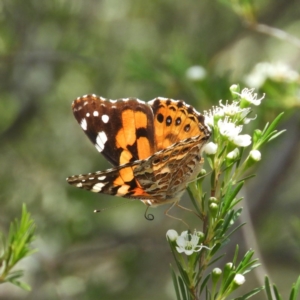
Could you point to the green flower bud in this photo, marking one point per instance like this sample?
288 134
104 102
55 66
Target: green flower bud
212 200
234 89
214 208
216 274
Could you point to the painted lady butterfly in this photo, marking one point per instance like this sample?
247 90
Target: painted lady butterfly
155 147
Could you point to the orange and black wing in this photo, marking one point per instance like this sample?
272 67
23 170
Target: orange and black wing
122 130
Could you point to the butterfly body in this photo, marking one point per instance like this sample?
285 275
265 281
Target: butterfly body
155 147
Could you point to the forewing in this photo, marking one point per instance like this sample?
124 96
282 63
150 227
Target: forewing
122 130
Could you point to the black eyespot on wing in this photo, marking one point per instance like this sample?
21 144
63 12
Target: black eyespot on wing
160 118
168 121
187 127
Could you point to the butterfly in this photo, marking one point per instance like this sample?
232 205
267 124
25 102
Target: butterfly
155 147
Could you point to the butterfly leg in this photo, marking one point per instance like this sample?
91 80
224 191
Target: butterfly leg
187 209
170 216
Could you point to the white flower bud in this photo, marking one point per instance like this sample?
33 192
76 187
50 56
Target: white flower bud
255 155
234 88
242 140
210 148
217 271
239 279
172 235
229 265
233 154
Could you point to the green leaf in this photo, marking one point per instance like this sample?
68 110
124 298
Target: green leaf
175 283
257 134
222 151
295 290
276 293
182 288
16 247
250 294
227 223
204 282
216 259
22 285
275 135
233 231
215 248
273 125
236 253
230 195
268 288
269 133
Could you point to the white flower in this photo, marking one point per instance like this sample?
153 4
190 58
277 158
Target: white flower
255 155
235 112
248 96
230 109
239 279
248 120
231 131
172 235
213 114
195 73
188 243
242 140
233 154
210 148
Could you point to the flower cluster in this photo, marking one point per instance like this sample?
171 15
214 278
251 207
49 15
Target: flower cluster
226 154
228 120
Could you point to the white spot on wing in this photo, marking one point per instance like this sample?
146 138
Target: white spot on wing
95 114
105 118
100 141
83 124
101 177
79 184
97 187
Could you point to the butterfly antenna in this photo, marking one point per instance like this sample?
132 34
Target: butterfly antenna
148 217
106 208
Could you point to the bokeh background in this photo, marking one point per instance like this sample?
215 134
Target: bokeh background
54 51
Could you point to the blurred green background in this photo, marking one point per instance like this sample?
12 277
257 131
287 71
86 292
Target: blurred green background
54 51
